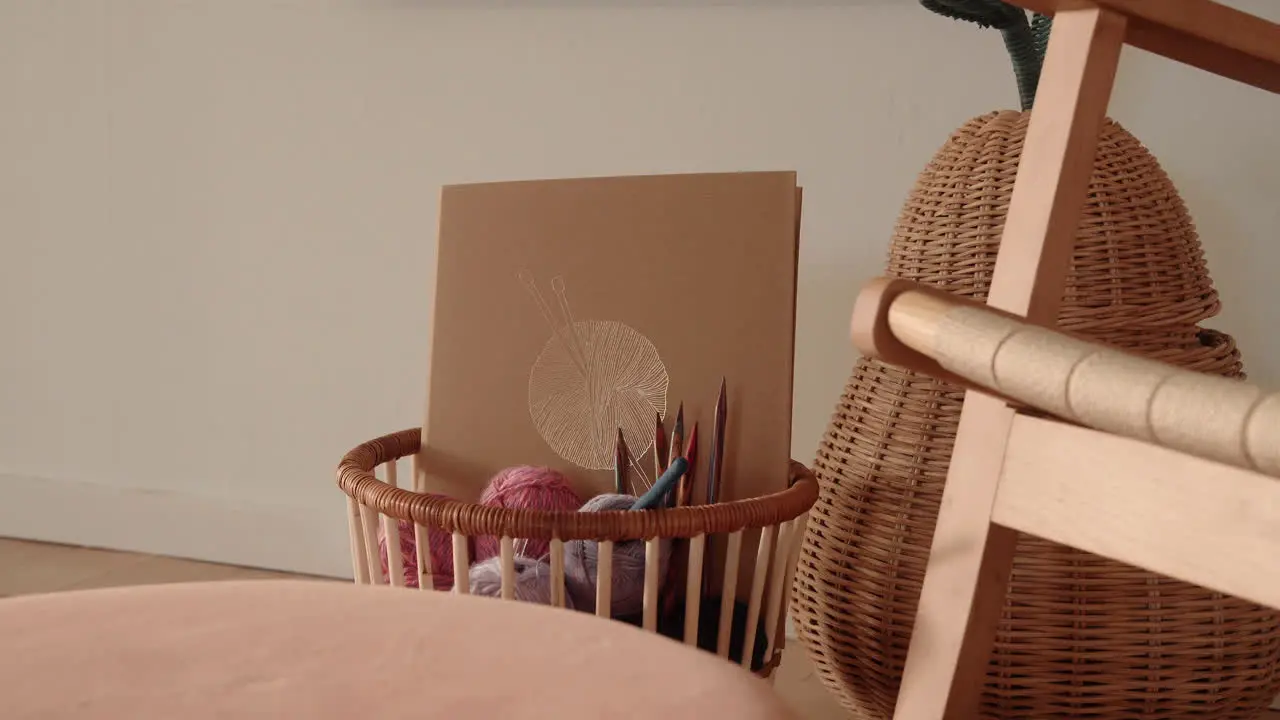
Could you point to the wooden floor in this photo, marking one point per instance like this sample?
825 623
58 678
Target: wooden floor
28 567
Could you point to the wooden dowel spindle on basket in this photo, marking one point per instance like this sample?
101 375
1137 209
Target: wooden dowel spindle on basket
419 477
729 592
652 573
422 535
369 524
507 556
461 565
793 560
422 546
391 531
359 558
777 583
557 572
693 589
758 578
604 578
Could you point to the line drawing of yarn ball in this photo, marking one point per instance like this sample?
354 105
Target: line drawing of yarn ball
604 376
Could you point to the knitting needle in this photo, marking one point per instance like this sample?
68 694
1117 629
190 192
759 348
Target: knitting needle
682 495
684 492
677 444
659 445
717 446
662 486
620 456
717 464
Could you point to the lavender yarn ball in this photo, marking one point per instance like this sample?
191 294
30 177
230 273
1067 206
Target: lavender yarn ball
529 488
533 580
581 559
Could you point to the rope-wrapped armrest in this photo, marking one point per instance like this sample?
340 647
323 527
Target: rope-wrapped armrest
1080 381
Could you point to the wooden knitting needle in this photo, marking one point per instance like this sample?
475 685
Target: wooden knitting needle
717 445
677 445
661 487
659 446
717 465
620 462
684 491
683 496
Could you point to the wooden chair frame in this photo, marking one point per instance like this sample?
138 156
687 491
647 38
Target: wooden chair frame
990 496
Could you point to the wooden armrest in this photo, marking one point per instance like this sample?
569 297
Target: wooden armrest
1200 33
1196 520
1068 377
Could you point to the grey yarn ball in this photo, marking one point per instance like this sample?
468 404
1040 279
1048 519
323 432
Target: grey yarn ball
582 556
533 580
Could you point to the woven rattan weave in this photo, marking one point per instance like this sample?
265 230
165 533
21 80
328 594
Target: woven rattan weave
1081 637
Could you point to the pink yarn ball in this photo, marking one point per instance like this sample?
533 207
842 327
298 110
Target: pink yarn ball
441 555
526 487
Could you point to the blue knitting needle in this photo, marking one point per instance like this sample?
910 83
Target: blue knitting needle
663 485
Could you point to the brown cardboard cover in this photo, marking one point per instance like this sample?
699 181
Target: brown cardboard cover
688 277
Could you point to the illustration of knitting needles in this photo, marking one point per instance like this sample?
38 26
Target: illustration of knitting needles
557 287
644 479
567 332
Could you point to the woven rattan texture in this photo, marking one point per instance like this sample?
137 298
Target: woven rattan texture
355 477
1082 637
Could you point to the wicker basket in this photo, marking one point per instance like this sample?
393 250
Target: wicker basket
766 530
1081 636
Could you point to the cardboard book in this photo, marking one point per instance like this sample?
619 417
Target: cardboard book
567 310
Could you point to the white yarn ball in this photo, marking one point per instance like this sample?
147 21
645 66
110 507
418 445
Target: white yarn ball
533 580
581 559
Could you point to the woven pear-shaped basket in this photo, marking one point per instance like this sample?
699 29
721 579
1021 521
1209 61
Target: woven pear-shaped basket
1081 636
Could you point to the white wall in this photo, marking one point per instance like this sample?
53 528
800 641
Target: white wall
217 216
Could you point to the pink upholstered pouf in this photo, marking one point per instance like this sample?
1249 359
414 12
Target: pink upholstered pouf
292 649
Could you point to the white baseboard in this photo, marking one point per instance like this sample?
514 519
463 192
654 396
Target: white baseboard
290 539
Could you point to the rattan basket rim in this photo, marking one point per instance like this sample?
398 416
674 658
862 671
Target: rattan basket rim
356 479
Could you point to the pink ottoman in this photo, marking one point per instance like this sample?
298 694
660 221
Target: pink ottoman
294 649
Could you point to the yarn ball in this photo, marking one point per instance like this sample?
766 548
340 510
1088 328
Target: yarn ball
441 555
582 556
533 580
525 487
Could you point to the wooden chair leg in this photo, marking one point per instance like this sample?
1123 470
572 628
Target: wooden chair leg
1052 183
965 579
971 558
